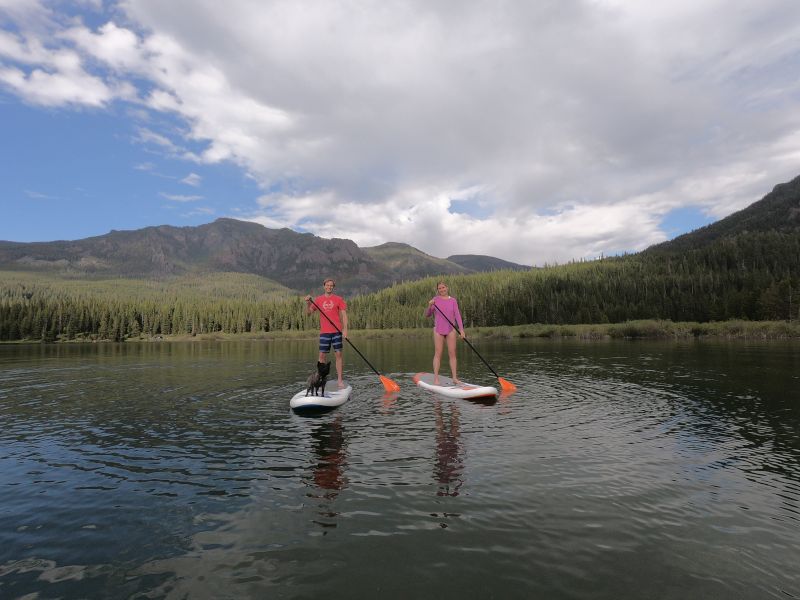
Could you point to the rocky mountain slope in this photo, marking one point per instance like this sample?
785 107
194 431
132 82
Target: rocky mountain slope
297 260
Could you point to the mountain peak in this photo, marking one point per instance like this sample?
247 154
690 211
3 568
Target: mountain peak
481 262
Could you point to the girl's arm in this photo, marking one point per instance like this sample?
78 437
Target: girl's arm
459 322
431 309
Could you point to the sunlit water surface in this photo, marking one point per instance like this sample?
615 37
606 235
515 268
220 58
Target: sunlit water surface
617 470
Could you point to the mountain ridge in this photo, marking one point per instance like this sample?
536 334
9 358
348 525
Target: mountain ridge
483 263
295 260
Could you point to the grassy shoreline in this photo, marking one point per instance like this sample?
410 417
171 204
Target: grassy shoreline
653 329
644 329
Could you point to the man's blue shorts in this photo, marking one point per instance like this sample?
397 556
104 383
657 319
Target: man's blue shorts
326 340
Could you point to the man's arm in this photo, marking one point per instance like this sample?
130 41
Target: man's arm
309 306
343 316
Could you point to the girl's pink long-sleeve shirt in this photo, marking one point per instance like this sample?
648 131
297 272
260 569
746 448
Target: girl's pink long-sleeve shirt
449 306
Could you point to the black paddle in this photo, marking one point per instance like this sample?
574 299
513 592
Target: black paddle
389 384
505 385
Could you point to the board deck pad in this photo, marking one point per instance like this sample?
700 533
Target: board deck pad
447 387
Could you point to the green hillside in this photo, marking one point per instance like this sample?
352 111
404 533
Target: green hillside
203 286
38 306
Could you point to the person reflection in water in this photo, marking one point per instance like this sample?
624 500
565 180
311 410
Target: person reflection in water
329 449
449 464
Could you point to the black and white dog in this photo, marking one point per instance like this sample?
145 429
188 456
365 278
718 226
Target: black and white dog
317 379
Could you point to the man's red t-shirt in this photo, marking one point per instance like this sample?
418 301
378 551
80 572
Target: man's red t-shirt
330 306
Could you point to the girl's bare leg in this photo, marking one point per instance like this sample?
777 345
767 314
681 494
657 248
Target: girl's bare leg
451 352
438 345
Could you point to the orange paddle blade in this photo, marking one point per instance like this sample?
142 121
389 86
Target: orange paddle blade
506 385
390 385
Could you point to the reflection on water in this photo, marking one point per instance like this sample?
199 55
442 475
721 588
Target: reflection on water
449 466
328 470
616 470
329 448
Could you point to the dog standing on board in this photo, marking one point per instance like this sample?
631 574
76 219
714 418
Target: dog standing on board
317 379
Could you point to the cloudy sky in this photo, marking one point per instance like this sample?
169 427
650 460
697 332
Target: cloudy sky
537 131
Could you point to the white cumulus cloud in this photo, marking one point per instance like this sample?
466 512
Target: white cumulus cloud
192 179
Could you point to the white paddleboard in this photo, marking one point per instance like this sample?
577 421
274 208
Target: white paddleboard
333 397
446 387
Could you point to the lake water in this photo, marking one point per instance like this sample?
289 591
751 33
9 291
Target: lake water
617 470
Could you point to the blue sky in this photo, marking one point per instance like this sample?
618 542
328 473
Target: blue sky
456 128
75 174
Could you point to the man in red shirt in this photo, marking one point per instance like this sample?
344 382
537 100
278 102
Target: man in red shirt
332 330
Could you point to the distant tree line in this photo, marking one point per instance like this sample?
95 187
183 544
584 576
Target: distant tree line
50 316
753 275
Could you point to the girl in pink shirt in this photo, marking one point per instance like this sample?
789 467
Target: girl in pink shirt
442 330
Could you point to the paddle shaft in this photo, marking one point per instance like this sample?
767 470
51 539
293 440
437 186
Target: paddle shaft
345 337
466 340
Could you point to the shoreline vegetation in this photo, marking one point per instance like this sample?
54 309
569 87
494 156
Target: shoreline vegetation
629 330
